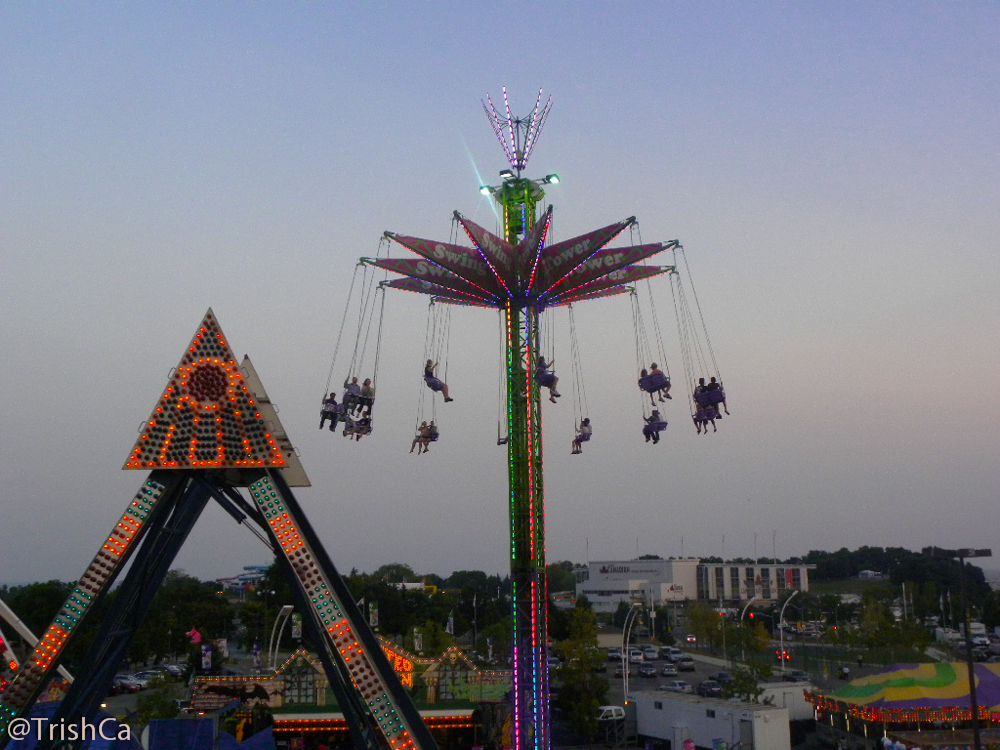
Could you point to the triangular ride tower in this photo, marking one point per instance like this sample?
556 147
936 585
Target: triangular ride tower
212 433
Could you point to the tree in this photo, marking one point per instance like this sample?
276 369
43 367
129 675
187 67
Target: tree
561 576
397 573
705 624
583 687
745 685
156 702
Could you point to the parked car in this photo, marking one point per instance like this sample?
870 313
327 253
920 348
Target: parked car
795 675
650 653
619 671
614 653
146 677
635 656
669 669
685 664
647 670
123 683
673 653
677 686
665 651
177 671
709 689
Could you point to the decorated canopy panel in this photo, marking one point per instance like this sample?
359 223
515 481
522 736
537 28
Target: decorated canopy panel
494 271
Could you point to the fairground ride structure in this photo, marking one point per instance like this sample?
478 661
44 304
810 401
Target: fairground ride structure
522 276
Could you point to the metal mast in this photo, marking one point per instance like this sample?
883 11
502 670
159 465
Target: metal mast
522 276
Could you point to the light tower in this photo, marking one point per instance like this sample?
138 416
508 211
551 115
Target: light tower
522 276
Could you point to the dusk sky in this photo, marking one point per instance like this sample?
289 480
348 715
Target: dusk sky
832 169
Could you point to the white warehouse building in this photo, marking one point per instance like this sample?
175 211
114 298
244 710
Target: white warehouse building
606 583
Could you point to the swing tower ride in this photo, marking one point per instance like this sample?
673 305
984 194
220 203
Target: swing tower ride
522 276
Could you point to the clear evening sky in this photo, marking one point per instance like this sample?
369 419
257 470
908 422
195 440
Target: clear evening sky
831 169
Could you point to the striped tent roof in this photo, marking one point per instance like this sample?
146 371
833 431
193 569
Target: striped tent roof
938 685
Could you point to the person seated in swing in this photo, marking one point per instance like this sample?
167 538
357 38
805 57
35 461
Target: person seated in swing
352 392
583 433
435 383
349 424
653 383
432 435
420 439
657 376
703 416
362 427
366 397
654 424
547 378
331 411
718 394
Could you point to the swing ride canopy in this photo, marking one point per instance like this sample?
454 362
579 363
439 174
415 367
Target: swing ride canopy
495 272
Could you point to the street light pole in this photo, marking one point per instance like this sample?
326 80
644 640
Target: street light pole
781 630
961 554
276 629
626 662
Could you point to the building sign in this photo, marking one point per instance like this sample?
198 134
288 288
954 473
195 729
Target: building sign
402 665
627 570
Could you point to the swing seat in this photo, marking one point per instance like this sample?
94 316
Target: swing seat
717 396
657 426
502 441
546 378
434 383
433 437
583 437
654 382
703 398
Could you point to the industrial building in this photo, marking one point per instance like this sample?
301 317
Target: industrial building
606 583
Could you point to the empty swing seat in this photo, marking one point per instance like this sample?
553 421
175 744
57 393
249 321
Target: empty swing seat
434 383
654 382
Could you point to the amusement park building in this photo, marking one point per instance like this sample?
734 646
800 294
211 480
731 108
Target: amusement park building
606 583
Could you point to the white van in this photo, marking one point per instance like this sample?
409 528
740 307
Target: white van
610 713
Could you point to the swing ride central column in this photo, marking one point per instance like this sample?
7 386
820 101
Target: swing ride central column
530 709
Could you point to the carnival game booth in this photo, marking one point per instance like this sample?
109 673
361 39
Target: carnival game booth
923 706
